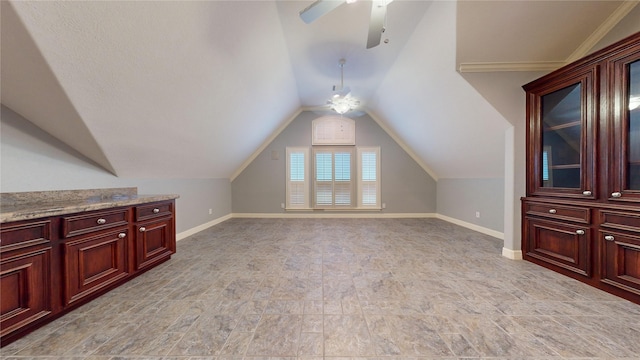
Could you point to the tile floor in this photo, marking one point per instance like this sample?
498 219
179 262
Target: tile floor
350 289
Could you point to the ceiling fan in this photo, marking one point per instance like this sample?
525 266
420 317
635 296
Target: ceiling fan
376 23
341 100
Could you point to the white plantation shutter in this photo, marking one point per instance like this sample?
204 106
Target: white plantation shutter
333 181
297 178
369 177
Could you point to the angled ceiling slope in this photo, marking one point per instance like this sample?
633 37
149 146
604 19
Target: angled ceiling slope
26 76
191 89
166 89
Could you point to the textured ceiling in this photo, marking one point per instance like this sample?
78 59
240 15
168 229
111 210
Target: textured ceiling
191 89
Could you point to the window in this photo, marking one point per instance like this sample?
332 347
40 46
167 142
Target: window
333 185
341 180
297 178
369 177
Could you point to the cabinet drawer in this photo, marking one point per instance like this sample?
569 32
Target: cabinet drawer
560 212
90 222
16 236
151 211
627 221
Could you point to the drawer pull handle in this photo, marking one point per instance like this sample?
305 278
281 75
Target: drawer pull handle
609 238
156 210
552 211
122 235
142 229
101 221
580 232
616 194
586 193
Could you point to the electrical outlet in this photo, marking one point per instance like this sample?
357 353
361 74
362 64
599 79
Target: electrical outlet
384 205
478 214
282 205
210 211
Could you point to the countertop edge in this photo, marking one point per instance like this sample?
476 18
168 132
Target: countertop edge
42 210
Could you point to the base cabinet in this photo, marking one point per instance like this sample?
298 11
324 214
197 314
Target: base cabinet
52 265
621 260
25 287
153 243
93 262
567 246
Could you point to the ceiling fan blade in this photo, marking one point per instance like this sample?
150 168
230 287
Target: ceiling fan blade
318 8
376 24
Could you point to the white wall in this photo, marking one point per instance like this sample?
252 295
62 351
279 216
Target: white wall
405 186
462 198
32 160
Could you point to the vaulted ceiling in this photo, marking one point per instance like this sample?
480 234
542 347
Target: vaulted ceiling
190 89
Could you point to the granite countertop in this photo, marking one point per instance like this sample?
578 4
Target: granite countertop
38 204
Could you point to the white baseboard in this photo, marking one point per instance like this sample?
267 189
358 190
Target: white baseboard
332 215
204 226
512 254
471 226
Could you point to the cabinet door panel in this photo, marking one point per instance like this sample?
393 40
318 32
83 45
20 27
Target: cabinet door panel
621 260
565 246
562 119
624 139
25 288
91 263
154 242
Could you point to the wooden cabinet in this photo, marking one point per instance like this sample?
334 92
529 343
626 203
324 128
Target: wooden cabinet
581 215
94 262
562 157
154 232
94 251
50 266
623 136
25 275
564 245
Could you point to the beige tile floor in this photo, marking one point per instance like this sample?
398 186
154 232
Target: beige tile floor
342 289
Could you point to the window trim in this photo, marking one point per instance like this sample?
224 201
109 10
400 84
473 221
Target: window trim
360 150
352 182
305 152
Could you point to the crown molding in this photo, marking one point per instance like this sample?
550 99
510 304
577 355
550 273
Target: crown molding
482 67
602 30
548 66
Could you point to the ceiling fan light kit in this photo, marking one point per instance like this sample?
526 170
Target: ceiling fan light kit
376 23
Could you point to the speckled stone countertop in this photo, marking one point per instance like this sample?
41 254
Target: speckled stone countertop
36 204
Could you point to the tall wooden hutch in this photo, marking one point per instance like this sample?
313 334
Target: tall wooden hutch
581 213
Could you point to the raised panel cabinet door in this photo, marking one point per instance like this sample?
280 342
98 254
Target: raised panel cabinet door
624 139
94 262
561 245
155 242
25 288
562 115
621 260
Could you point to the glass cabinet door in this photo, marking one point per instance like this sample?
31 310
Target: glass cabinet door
562 138
625 142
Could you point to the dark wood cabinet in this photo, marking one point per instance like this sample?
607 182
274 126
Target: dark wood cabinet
94 262
153 236
581 214
562 244
25 275
52 265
